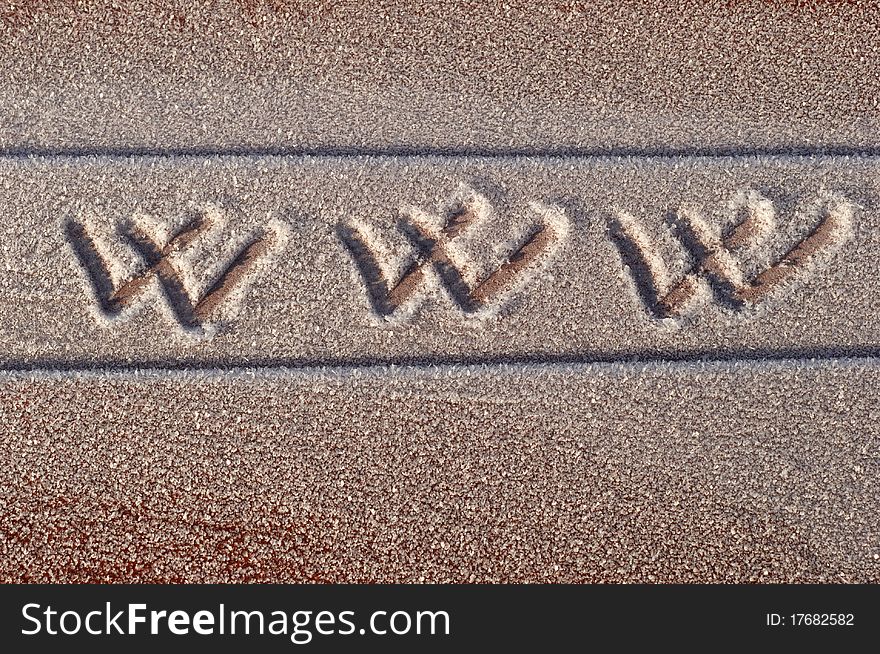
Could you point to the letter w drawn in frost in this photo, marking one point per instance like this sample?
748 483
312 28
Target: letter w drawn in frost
718 258
165 256
438 257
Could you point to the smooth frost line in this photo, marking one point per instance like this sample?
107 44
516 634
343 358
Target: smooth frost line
343 153
446 366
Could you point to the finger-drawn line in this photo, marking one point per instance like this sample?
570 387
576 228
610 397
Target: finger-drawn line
831 356
830 229
648 271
